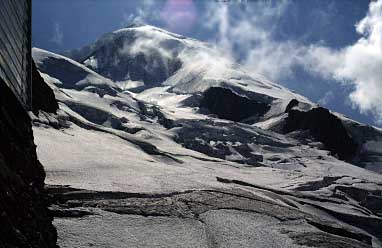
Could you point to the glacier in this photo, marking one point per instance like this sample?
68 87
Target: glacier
163 141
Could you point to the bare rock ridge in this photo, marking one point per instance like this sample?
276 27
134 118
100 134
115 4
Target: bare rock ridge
228 105
24 217
43 96
324 126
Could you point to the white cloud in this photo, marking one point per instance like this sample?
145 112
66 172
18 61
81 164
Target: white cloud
58 34
359 64
147 10
179 15
328 97
127 19
252 31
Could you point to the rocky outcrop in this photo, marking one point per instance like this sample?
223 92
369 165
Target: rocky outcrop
43 96
24 217
154 112
227 105
293 103
370 199
226 140
324 127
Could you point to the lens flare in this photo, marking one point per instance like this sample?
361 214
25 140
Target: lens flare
179 15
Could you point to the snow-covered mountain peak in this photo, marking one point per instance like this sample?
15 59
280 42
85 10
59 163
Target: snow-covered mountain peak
155 32
141 57
136 23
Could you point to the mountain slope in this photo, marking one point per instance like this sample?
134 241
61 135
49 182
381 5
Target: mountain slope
175 72
201 145
149 57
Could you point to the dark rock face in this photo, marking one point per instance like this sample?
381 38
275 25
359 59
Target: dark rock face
316 185
362 134
24 217
227 105
371 200
43 96
325 127
153 111
293 103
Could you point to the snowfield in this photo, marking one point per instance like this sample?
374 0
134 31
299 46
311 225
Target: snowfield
161 141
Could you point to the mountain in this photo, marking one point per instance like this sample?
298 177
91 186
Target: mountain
167 142
144 57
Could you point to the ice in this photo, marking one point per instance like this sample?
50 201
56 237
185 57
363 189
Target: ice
159 139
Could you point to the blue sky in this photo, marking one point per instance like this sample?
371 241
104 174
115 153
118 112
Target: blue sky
327 50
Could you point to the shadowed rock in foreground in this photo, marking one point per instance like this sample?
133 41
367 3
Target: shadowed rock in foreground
24 217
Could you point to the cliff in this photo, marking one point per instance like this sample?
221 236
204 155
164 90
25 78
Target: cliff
24 218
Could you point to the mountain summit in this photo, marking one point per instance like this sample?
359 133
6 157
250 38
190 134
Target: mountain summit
156 57
183 138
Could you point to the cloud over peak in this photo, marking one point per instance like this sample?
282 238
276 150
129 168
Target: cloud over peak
252 32
359 64
58 34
